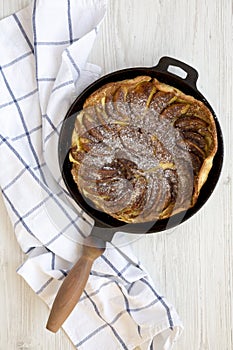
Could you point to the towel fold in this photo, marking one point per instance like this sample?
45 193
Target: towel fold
43 67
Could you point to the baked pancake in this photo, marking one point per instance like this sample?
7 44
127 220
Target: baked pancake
141 149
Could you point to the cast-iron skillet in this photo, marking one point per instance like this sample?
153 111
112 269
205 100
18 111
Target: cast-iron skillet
105 225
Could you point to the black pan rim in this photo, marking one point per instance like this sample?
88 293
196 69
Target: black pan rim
104 220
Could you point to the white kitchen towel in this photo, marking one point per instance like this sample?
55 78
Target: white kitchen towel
43 67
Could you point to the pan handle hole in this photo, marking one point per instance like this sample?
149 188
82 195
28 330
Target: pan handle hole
177 71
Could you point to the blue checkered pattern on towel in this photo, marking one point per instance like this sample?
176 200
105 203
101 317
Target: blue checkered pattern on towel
43 67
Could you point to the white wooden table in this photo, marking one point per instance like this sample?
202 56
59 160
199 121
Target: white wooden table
193 264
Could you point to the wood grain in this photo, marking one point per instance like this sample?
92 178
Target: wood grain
72 288
192 264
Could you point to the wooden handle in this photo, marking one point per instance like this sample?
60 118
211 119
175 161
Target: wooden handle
72 288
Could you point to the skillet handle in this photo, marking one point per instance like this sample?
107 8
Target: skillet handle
72 287
166 62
